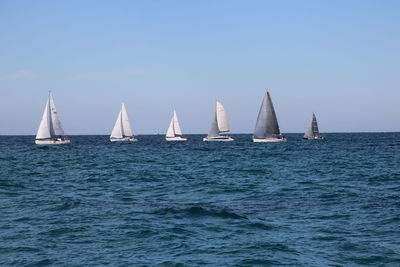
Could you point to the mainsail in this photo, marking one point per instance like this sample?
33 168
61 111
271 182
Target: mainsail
267 124
312 130
222 118
174 129
126 125
56 127
50 124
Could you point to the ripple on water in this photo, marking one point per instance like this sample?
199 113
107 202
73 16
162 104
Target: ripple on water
332 203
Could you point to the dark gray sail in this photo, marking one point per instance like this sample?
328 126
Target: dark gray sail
267 124
312 130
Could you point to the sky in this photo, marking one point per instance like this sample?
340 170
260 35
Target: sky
339 59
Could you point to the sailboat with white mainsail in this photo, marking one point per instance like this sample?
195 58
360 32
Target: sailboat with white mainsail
267 127
50 130
219 125
174 132
312 132
122 131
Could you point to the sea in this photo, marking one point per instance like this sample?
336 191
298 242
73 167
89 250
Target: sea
156 203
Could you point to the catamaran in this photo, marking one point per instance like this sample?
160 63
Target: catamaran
174 132
50 130
219 125
267 127
312 132
122 131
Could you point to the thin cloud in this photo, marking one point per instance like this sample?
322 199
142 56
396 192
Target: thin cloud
18 75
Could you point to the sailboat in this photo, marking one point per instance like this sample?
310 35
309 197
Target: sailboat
267 127
219 125
174 131
122 131
50 130
312 132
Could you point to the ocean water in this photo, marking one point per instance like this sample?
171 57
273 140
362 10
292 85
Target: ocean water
300 203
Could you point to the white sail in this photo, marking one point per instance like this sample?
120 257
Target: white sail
177 127
222 118
45 124
174 129
117 131
170 131
214 131
126 125
56 128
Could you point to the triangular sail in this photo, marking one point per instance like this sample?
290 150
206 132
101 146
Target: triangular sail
45 125
267 123
126 125
214 131
315 126
222 118
117 131
56 128
170 131
177 127
312 130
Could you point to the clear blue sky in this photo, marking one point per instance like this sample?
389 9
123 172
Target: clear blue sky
340 59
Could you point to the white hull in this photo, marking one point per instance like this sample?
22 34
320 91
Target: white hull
315 138
218 139
176 138
125 139
52 142
269 140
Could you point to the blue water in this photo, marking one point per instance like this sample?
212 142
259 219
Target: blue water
300 203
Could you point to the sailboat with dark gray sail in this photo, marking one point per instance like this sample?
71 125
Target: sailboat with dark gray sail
312 132
267 127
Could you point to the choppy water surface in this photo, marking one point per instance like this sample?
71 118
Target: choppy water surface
300 203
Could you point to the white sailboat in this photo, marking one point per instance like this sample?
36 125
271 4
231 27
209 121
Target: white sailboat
312 132
219 125
50 130
267 127
122 131
174 132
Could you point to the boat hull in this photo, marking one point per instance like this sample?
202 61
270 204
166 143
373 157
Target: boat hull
48 142
125 139
314 138
269 140
218 139
176 138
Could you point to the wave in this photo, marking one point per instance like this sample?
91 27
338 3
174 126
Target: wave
198 211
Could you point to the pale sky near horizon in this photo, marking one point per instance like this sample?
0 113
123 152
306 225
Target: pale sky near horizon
339 59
